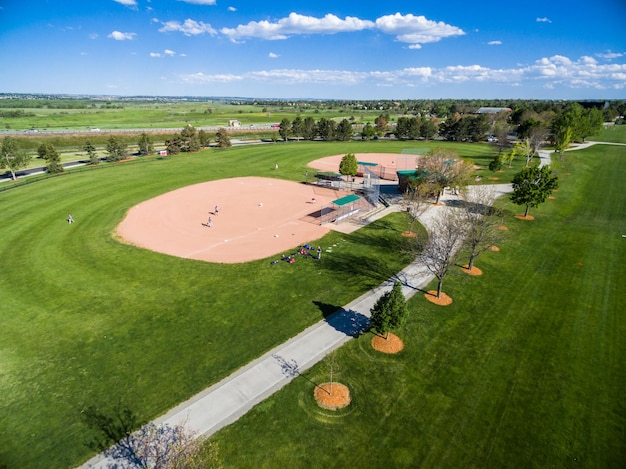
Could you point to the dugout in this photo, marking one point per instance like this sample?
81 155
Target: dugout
343 208
408 176
327 178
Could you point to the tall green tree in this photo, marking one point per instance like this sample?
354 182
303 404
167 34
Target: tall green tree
297 127
203 138
344 130
116 148
145 144
48 152
428 128
532 186
367 132
222 139
285 129
91 152
381 124
348 165
173 144
11 157
309 128
327 129
389 311
189 139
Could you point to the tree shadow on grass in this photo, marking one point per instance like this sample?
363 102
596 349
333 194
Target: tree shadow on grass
109 427
349 322
354 265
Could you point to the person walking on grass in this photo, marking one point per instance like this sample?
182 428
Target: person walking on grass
319 253
70 218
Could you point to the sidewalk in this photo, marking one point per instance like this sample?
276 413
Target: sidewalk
226 401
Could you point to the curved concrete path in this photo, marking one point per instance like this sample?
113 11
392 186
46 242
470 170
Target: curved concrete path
226 401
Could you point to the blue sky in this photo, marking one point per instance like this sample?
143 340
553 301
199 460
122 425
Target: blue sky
336 50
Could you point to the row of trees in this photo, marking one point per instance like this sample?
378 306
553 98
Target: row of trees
473 227
13 158
309 129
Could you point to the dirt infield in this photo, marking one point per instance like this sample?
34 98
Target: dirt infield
258 218
391 161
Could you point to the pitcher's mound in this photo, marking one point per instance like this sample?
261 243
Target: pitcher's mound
392 344
332 396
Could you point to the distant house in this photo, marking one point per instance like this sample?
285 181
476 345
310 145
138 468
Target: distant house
234 123
492 110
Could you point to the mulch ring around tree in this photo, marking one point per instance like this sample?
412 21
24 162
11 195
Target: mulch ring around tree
493 248
551 197
525 217
502 227
392 344
475 270
332 396
443 300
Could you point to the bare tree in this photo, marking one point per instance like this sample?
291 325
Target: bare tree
537 136
415 202
160 447
151 447
445 237
480 221
445 169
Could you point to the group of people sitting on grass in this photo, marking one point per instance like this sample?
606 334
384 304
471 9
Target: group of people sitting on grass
305 251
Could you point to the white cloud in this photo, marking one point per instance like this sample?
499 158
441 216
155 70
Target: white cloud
544 20
495 43
189 27
93 36
166 52
609 55
416 29
199 2
232 9
271 55
296 24
128 3
200 78
555 72
119 36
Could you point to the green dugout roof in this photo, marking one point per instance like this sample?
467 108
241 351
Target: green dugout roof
365 163
346 200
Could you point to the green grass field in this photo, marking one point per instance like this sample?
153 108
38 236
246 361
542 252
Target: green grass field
89 321
167 115
524 369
